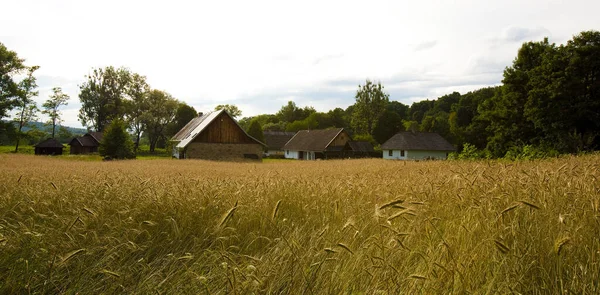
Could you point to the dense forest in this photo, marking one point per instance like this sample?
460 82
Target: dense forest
548 103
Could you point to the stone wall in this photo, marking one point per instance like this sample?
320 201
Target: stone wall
223 151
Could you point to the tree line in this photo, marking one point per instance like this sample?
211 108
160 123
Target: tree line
548 101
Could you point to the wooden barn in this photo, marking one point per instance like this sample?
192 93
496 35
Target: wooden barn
49 146
317 144
416 146
86 144
215 136
275 140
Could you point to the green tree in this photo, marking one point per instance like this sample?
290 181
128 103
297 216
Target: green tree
370 104
64 135
102 97
137 106
116 143
291 112
57 99
389 124
183 115
256 131
232 109
26 106
161 112
10 66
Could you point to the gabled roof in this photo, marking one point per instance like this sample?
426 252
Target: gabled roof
90 139
424 141
197 125
312 140
275 140
361 146
96 135
86 140
50 143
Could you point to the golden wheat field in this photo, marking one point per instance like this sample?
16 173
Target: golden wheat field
325 227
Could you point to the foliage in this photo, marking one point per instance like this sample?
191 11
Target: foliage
10 66
102 97
371 102
116 142
137 106
200 227
162 108
256 131
183 115
232 109
56 100
389 124
26 106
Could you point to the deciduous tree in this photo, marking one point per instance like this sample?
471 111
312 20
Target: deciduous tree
370 104
57 99
102 96
232 109
26 106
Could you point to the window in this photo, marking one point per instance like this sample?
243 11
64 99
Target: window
287 152
401 153
390 153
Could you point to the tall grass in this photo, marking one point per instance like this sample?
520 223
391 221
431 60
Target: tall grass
326 227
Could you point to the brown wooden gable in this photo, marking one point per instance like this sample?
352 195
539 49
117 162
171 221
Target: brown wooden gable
223 130
340 140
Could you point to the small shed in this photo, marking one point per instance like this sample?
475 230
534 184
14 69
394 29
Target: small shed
215 136
49 146
416 146
86 144
317 144
275 140
360 149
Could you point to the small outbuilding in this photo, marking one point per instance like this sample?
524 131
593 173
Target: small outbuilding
317 144
215 136
416 146
360 149
86 144
275 140
49 146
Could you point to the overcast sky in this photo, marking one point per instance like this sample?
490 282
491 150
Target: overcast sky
260 54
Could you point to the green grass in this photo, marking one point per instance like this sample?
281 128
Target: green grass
323 227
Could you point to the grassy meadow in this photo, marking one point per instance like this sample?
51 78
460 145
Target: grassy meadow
325 227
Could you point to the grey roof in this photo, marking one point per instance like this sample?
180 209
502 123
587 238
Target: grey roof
197 125
312 140
424 141
361 146
275 140
97 136
50 143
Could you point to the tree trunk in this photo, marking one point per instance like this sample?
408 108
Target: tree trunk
53 127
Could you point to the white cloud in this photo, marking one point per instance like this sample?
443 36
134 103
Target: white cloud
258 54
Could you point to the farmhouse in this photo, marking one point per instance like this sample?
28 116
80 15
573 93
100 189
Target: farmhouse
316 144
86 144
416 146
215 136
49 146
275 140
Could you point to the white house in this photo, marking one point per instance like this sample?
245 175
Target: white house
416 146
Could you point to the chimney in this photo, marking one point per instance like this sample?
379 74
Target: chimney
200 114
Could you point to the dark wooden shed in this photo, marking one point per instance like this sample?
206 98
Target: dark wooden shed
49 146
86 144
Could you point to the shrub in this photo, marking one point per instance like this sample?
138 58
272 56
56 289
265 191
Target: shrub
116 143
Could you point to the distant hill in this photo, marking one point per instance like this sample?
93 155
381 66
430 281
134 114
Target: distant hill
43 126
